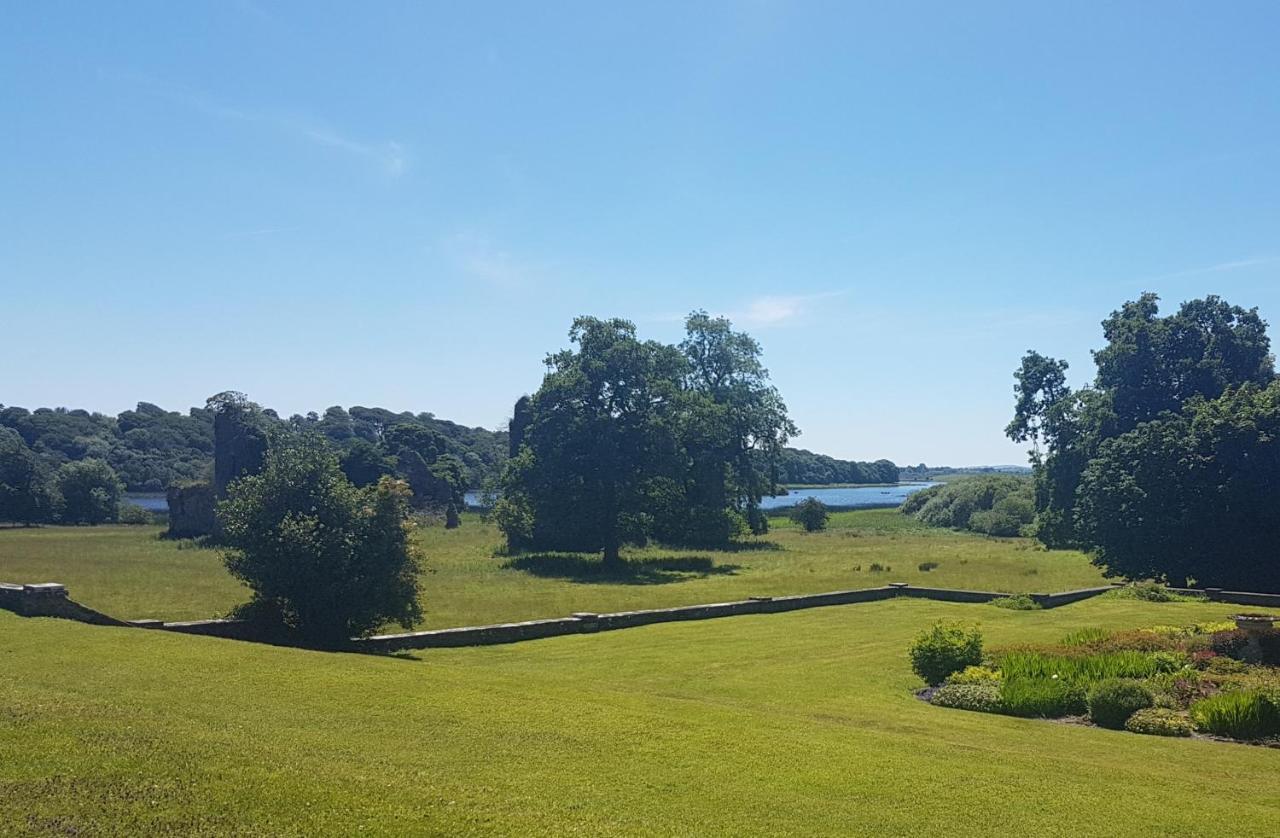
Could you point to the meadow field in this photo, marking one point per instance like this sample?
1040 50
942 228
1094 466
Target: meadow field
799 723
133 573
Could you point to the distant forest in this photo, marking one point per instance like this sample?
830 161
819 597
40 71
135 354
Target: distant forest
150 447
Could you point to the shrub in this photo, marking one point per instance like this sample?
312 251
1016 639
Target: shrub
1152 592
925 567
1017 602
90 491
1244 714
1170 661
1269 643
1155 721
1231 644
974 675
131 513
984 698
876 567
944 649
1048 698
1220 665
334 560
810 513
1114 700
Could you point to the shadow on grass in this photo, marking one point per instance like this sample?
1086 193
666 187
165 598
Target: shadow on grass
590 570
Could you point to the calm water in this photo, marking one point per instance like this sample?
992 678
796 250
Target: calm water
151 503
859 497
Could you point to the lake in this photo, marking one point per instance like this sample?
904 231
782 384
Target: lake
849 497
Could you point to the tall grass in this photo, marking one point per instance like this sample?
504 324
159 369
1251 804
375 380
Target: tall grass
1244 714
1082 669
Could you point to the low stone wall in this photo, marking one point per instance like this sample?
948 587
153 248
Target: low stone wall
49 599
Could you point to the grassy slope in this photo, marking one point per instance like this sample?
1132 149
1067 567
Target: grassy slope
130 573
801 723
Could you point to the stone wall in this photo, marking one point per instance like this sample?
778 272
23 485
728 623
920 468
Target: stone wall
51 600
191 510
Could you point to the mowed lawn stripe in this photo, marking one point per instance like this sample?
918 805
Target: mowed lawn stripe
769 724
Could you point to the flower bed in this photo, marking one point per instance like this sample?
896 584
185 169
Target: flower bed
1213 679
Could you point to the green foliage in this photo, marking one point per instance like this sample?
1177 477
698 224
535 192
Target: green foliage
811 514
131 513
1159 721
1086 636
90 492
981 697
27 495
994 504
1165 466
1017 602
628 439
1077 668
1151 592
944 649
1047 698
1244 714
974 675
1113 700
335 561
797 466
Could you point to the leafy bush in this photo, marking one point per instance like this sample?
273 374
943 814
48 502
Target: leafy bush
994 504
1170 661
983 698
1082 669
925 567
1231 644
1151 592
334 560
876 567
1156 721
810 513
1017 602
1048 698
944 649
975 675
131 513
1114 700
1244 714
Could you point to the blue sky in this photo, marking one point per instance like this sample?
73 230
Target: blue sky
405 204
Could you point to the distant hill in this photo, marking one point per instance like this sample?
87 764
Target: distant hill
150 447
798 466
924 472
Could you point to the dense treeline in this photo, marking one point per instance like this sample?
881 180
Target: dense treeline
150 448
1168 466
796 465
629 439
994 504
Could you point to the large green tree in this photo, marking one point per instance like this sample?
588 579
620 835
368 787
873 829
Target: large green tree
599 431
26 495
628 439
1120 469
332 560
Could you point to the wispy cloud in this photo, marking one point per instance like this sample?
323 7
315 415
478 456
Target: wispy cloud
778 310
1221 267
479 257
389 156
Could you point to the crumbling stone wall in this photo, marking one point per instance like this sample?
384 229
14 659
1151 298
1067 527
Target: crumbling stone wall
191 507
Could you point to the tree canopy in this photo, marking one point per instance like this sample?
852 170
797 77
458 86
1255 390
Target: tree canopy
628 439
1164 466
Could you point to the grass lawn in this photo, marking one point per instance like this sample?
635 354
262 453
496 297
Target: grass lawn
800 723
129 572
